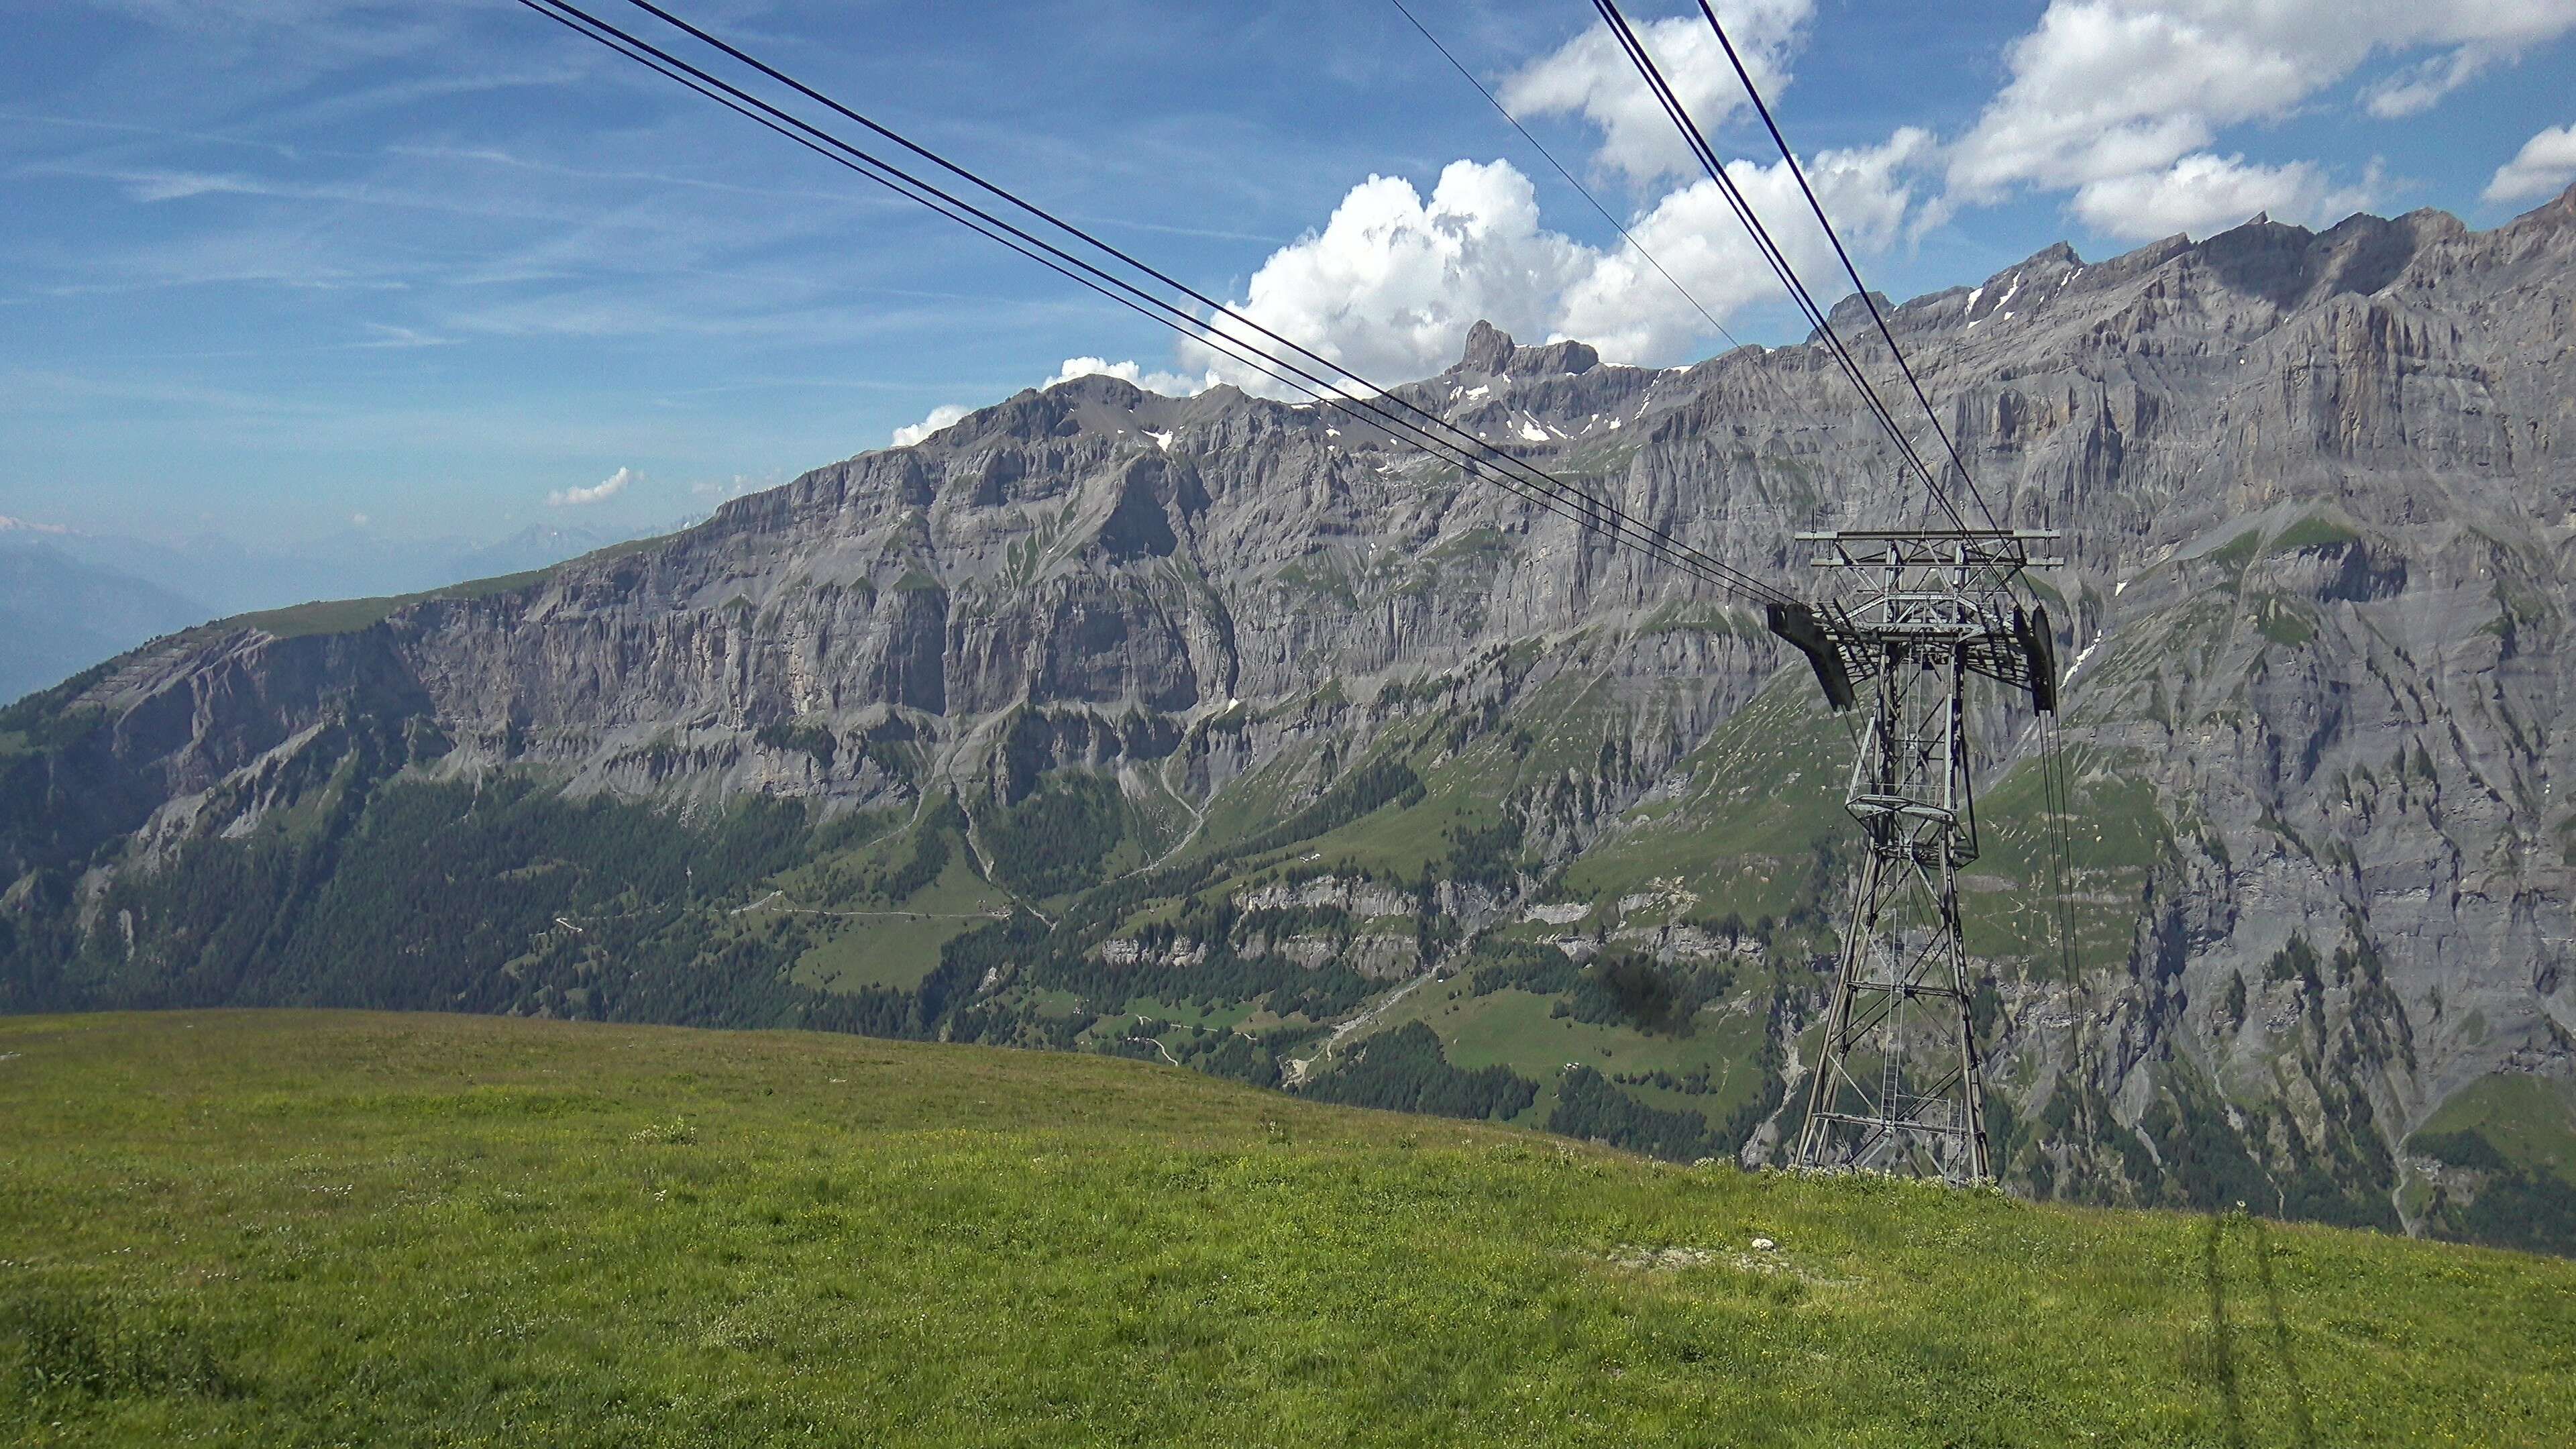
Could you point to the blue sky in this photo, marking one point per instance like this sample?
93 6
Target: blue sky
275 267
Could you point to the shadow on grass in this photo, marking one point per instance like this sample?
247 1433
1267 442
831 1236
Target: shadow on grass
2222 1334
2222 1339
2305 1425
85 1347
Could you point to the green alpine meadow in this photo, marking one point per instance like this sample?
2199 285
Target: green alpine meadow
317 1228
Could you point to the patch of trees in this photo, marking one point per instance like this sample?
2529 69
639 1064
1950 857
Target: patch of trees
2380 1030
968 957
455 897
1588 1106
932 845
2514 1207
1486 855
2343 1174
2467 1148
1617 988
2206 1162
1057 839
1521 966
1593 1107
1693 1083
1254 1057
1406 1070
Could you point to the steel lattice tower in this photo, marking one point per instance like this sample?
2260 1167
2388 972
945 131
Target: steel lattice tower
1899 1084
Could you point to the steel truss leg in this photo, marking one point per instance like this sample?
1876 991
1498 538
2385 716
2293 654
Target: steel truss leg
1899 1082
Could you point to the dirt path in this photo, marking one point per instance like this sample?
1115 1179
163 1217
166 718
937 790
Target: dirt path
990 915
1156 1041
1198 817
1294 1070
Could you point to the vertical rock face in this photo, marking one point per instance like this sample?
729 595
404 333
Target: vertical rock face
2318 493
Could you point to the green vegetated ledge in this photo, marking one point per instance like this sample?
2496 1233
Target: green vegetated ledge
310 1228
347 616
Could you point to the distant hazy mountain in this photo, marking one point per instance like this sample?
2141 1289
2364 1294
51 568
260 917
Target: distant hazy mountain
234 577
536 546
59 615
75 598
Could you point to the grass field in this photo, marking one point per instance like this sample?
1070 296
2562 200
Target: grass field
1514 1029
316 1228
873 944
2530 1120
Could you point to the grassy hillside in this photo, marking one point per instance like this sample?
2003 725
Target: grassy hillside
293 1228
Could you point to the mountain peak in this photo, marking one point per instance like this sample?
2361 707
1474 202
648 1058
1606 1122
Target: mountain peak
2054 254
1489 349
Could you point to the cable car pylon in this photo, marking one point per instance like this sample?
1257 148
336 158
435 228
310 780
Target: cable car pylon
1899 1084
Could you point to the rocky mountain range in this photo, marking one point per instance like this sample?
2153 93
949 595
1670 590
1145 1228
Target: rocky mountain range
1228 732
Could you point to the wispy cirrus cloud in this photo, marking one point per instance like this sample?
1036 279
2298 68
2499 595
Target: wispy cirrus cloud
386 335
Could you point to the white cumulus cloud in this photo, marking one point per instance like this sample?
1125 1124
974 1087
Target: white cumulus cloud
2203 193
1169 384
599 492
1393 281
2545 164
940 417
2121 100
1592 75
1623 306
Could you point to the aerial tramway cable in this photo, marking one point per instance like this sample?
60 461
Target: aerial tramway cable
1761 374
1769 249
1799 173
2056 787
1392 414
1539 146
